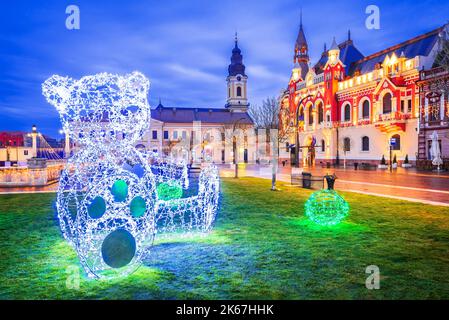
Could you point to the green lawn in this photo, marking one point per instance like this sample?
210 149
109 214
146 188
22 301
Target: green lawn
262 247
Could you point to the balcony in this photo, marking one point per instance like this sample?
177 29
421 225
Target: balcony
364 122
394 116
346 124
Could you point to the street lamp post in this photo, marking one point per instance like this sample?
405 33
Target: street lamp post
297 130
34 135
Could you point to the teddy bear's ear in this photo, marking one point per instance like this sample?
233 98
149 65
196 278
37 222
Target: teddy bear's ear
57 91
136 81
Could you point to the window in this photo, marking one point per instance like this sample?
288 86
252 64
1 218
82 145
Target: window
25 152
365 110
165 135
310 115
386 102
320 113
323 145
346 145
397 145
402 106
154 134
347 112
365 144
184 135
239 91
223 138
175 135
301 114
409 106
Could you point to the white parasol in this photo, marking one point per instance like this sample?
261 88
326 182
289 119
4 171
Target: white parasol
435 151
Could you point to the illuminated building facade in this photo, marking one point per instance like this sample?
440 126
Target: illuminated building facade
348 107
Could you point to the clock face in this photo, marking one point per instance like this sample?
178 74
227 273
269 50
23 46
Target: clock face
239 78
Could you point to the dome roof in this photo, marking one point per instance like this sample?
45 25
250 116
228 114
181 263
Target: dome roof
236 67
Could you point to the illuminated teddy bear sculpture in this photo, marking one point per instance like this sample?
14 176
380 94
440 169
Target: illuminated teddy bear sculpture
107 201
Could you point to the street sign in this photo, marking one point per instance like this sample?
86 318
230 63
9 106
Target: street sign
392 141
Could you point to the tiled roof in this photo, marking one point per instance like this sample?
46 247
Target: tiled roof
348 55
418 46
354 60
205 115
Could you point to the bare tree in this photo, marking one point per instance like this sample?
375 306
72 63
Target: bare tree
270 116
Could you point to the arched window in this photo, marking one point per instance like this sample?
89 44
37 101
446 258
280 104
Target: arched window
239 91
347 112
386 103
365 110
310 115
347 145
397 145
323 145
301 114
320 113
365 144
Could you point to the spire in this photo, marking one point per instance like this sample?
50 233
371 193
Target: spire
325 47
301 56
334 45
236 67
349 34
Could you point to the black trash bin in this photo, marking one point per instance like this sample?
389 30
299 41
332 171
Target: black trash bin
306 180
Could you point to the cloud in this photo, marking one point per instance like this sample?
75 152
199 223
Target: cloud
192 73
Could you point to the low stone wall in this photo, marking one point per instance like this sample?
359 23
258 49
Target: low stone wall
26 177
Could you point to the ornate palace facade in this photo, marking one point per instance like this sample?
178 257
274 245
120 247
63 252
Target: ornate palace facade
349 107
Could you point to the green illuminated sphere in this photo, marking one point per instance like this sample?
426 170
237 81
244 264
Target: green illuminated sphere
326 208
169 191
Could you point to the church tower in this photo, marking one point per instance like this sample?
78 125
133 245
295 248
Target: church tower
301 57
237 80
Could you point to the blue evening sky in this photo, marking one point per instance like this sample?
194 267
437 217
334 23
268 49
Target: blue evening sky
182 46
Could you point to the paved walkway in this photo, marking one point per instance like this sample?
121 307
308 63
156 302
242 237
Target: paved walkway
424 187
430 188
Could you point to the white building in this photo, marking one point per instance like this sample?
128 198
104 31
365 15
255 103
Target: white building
207 134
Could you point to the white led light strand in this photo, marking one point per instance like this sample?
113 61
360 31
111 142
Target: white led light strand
107 201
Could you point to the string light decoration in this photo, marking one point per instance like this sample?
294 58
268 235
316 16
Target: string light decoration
327 207
169 191
196 213
107 201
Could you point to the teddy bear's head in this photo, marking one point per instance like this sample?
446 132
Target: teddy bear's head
102 108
